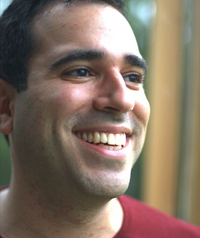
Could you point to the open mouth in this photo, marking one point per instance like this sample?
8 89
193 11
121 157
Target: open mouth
109 141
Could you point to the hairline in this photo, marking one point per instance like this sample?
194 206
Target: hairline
76 3
22 22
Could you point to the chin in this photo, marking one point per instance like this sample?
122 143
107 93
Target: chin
107 186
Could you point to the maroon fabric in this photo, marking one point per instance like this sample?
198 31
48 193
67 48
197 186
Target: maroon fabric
141 221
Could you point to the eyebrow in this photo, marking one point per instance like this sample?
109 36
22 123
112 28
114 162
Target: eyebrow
134 60
90 55
75 55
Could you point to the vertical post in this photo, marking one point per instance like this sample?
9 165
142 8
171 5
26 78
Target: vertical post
189 192
195 208
162 153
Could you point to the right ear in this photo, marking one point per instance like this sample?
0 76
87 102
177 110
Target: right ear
7 93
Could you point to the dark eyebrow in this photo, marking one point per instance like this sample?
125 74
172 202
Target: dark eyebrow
89 55
134 60
75 55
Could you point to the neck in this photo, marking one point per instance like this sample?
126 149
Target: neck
36 213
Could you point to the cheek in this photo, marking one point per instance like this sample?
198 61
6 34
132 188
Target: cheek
142 109
70 99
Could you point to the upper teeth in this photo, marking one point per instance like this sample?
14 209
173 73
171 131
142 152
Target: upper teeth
102 137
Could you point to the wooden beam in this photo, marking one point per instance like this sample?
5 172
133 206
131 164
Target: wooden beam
189 194
195 208
161 161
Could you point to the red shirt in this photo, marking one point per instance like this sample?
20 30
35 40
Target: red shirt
141 221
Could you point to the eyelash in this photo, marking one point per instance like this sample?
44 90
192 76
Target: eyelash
136 78
78 70
82 72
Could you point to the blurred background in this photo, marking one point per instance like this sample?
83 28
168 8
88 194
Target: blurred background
167 174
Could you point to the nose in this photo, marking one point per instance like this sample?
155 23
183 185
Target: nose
113 95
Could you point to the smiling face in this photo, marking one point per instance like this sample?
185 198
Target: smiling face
82 121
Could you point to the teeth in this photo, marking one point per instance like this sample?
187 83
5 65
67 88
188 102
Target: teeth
90 137
111 139
96 138
79 134
104 138
123 139
84 136
111 147
116 140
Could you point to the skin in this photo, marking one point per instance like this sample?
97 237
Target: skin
54 168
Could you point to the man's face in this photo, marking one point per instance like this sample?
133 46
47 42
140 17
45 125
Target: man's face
82 120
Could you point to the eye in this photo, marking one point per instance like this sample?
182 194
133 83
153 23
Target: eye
134 78
81 72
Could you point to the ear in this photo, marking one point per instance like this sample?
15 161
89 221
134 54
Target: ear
7 93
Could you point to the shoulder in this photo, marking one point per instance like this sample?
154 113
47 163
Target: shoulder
141 220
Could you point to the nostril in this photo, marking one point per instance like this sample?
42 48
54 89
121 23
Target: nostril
115 102
112 109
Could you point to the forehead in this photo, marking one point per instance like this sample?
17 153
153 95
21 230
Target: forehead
89 25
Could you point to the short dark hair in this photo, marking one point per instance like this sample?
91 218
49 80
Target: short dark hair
17 38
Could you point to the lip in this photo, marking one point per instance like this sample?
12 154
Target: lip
111 154
107 129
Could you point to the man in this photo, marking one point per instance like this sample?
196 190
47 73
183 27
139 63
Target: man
73 105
